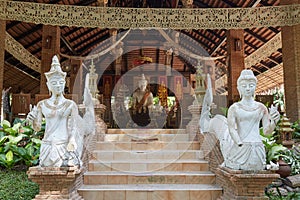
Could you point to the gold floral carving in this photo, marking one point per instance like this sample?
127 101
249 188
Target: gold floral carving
20 53
114 17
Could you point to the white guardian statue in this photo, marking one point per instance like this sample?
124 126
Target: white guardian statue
65 130
239 136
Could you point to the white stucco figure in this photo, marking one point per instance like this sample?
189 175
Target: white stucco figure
205 111
65 130
241 144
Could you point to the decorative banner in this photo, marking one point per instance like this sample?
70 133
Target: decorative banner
19 52
107 86
178 89
124 18
163 91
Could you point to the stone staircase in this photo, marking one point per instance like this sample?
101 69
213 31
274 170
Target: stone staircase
151 164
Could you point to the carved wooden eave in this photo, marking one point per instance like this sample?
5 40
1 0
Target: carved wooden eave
20 53
124 18
263 52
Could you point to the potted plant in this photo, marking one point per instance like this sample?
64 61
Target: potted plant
275 153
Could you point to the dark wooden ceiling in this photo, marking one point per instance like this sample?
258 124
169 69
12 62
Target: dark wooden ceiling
76 41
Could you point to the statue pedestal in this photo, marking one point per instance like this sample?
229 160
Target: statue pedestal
241 185
193 126
101 127
56 182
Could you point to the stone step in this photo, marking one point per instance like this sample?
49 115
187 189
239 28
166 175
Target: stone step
104 155
171 177
146 131
148 165
147 145
146 137
151 192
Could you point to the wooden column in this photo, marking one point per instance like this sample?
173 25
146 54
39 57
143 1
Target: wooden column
291 66
50 47
76 79
235 53
2 51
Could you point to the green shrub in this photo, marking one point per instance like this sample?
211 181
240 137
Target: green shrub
296 127
14 185
19 144
293 159
273 150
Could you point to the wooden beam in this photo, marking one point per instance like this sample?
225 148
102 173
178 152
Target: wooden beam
82 34
29 32
260 38
93 43
89 38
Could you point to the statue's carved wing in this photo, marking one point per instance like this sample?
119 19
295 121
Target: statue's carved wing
205 112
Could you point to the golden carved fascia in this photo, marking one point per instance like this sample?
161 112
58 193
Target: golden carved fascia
269 74
20 53
264 51
221 82
114 17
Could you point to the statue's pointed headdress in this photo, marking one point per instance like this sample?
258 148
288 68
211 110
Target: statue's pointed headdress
143 78
55 69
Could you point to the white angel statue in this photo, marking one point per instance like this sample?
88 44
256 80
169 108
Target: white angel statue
62 144
239 137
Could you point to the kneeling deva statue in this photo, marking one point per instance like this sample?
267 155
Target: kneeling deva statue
239 134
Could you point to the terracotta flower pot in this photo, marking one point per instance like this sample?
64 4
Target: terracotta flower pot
284 169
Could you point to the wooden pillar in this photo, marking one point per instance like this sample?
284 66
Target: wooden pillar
291 66
2 51
76 79
235 53
50 47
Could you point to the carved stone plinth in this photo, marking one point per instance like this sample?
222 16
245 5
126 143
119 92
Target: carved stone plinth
101 127
193 126
56 182
242 185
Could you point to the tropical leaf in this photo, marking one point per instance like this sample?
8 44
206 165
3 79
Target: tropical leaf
3 140
15 140
26 130
36 141
5 124
275 152
9 156
11 131
16 127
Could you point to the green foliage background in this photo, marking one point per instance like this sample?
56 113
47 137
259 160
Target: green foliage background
14 185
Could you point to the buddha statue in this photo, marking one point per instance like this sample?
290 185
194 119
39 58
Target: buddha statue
142 103
62 144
